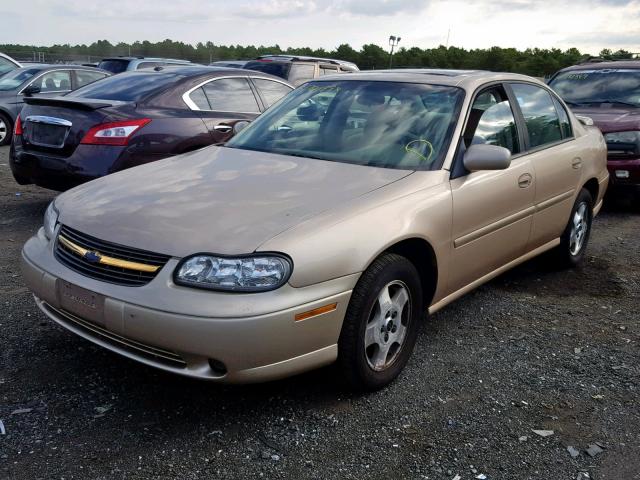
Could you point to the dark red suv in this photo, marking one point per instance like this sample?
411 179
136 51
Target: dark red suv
609 93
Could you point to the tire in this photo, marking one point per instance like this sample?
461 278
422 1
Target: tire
385 326
574 239
6 129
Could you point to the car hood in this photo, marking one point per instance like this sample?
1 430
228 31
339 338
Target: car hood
611 119
220 200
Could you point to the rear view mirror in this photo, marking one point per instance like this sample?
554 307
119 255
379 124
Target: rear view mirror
309 113
486 157
31 90
240 125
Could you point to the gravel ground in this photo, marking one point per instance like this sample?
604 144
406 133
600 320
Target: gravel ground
535 349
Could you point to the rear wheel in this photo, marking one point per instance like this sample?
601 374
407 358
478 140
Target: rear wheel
6 129
574 239
381 324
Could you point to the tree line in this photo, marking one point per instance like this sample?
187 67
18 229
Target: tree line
532 61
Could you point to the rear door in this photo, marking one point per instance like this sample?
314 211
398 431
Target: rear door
492 210
553 154
221 103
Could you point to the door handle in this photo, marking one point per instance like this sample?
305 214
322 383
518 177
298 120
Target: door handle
576 163
525 180
222 128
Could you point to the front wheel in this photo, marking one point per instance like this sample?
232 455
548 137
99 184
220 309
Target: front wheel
574 239
381 324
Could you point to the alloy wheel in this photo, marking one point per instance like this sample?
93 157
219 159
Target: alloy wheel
579 226
387 326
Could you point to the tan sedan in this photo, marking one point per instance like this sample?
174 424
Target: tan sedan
325 230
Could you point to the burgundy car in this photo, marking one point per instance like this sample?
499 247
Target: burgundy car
609 93
135 118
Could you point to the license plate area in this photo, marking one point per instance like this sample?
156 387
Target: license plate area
46 134
81 302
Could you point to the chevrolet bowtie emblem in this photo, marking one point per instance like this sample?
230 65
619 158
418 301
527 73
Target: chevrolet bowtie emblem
92 257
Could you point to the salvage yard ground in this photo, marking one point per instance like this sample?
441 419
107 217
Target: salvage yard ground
536 349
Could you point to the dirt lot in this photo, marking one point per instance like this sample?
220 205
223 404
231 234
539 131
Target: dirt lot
536 349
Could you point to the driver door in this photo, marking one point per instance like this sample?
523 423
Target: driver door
492 210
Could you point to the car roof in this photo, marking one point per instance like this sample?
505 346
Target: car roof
467 79
304 58
155 59
616 64
182 72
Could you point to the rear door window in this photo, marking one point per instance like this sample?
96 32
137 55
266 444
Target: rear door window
540 115
56 81
231 95
328 70
271 91
199 98
279 69
301 72
85 77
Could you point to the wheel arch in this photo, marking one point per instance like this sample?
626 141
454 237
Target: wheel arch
593 187
420 252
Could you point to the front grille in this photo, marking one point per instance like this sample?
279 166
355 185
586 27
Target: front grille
155 354
120 275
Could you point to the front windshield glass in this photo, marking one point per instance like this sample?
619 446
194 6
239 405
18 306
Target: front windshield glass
382 124
585 87
14 79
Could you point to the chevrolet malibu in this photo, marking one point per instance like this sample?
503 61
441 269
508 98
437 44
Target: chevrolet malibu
325 230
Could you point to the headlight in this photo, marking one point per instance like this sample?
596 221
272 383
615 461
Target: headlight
50 220
623 137
250 273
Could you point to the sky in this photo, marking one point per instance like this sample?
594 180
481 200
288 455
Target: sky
589 25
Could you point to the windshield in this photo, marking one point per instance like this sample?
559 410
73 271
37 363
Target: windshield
382 124
273 68
584 87
14 79
114 66
127 87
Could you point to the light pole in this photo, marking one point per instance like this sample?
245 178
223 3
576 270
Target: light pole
393 41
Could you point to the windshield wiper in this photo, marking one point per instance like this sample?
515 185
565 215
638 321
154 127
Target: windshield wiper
612 100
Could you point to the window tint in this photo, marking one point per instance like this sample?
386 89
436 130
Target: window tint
231 95
84 77
300 73
127 87
278 69
271 91
491 121
382 124
565 124
200 99
114 66
539 114
56 81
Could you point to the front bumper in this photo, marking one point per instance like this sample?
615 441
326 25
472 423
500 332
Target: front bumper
189 331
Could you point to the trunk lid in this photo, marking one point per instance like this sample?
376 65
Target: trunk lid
57 125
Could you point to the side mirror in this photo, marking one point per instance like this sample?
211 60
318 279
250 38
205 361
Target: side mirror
239 126
486 157
31 90
309 113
